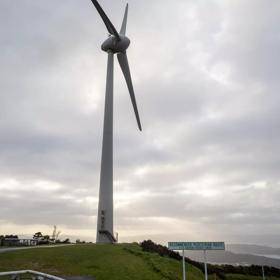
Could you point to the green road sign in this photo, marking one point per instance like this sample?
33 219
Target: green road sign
200 246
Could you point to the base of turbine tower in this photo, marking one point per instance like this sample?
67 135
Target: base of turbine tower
105 237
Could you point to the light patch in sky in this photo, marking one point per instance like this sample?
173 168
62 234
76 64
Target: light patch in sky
221 73
260 185
15 185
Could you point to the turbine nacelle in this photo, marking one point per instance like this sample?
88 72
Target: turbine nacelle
117 42
116 45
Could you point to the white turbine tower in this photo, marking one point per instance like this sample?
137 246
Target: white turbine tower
116 43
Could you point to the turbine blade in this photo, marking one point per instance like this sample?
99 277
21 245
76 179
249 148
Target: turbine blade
122 57
110 27
123 29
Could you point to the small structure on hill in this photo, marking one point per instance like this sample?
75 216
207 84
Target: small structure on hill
14 241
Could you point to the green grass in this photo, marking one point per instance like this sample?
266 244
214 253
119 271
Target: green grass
114 262
104 262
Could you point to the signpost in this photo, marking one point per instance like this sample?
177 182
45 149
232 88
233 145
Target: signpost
197 246
263 275
184 268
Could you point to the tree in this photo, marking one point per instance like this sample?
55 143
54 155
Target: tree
66 241
38 236
11 236
1 239
46 237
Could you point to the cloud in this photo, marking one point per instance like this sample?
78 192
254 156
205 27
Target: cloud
205 74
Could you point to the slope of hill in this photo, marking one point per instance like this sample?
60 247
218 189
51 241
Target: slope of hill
253 250
237 258
104 262
114 262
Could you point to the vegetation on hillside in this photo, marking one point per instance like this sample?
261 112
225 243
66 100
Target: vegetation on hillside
116 262
222 271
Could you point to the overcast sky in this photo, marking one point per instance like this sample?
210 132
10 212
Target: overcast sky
206 77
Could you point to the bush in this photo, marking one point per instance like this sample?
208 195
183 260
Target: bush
219 270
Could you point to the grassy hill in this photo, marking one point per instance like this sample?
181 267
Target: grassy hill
114 262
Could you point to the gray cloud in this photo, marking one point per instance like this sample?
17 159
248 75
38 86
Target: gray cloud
206 81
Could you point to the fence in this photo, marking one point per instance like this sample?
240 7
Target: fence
17 275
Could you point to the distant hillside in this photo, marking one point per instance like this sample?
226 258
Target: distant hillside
253 249
226 257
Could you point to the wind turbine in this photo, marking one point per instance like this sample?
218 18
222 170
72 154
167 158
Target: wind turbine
116 43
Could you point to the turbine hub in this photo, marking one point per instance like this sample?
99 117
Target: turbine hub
114 45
